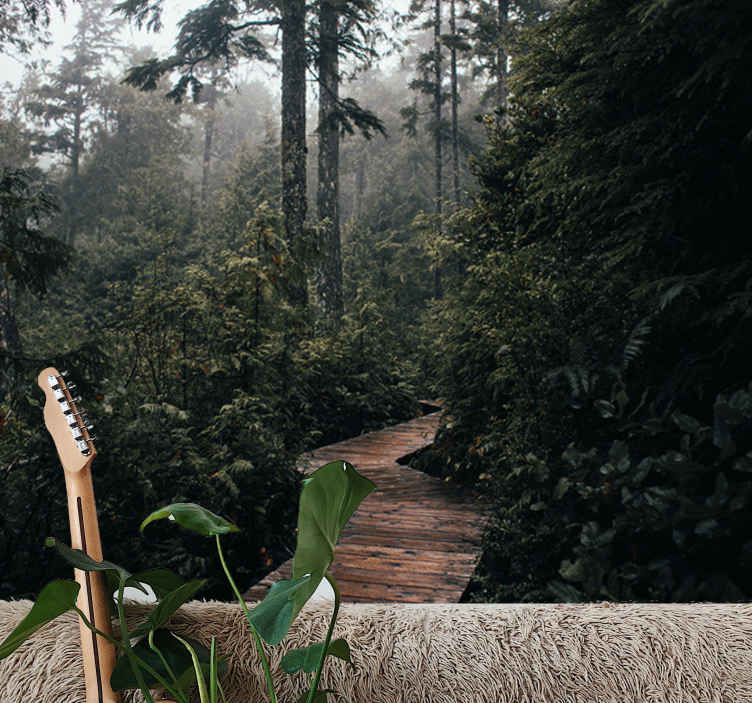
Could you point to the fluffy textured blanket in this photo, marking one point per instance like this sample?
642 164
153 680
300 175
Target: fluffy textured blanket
449 653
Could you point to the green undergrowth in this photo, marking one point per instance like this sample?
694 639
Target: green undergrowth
204 385
594 349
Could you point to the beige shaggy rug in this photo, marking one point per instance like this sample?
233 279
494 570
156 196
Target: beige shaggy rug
598 653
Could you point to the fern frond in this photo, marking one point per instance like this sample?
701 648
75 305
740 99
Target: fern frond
683 286
635 342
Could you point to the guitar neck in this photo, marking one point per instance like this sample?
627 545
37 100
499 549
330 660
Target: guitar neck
76 451
98 653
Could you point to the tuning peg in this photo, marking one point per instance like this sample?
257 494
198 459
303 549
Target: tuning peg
89 427
76 399
64 374
72 387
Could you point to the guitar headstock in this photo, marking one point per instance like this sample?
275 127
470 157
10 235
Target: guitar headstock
66 420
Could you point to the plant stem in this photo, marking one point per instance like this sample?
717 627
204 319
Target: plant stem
96 630
257 639
221 692
213 672
320 666
177 692
202 692
125 643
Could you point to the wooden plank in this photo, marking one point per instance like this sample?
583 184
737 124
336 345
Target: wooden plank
437 562
416 545
416 539
357 592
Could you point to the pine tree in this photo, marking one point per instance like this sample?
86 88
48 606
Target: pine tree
67 99
28 257
294 203
329 278
490 22
343 28
430 82
453 47
227 34
23 24
66 103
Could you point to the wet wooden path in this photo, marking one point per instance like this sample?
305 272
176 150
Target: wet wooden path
415 539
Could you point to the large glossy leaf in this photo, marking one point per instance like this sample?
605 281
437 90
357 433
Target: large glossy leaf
193 517
273 616
307 658
328 499
56 598
167 605
78 560
162 581
176 655
340 649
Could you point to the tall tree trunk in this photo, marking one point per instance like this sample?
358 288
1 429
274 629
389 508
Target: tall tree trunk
329 278
293 148
76 147
437 141
360 187
455 102
10 341
75 156
501 56
211 102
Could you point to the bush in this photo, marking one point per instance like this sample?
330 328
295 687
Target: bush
594 351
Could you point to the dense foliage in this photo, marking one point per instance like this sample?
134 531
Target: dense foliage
203 381
595 354
591 343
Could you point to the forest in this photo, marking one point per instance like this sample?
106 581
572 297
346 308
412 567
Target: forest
533 210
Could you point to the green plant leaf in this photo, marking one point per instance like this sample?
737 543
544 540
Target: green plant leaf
565 592
705 528
162 581
176 655
328 499
56 598
192 517
307 658
340 649
168 605
686 423
561 488
273 616
78 560
573 571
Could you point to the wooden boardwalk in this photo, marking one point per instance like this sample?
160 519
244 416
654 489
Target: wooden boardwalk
415 539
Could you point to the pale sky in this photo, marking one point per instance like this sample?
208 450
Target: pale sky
62 30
